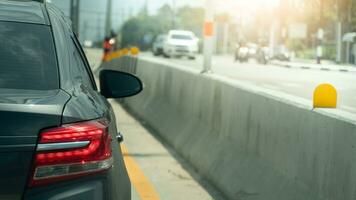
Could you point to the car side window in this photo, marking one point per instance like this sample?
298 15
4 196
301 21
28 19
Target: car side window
85 60
80 72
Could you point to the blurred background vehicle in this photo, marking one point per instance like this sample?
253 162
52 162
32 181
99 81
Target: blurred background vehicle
181 43
242 53
157 46
88 44
263 55
282 53
252 50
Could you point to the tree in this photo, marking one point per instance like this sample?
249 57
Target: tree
141 30
190 18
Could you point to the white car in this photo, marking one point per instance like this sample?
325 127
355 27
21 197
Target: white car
181 43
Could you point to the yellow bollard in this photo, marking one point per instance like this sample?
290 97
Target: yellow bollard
125 51
116 54
325 96
111 56
135 51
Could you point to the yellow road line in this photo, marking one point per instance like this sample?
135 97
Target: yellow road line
142 185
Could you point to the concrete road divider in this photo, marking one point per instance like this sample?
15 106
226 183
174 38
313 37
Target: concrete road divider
251 143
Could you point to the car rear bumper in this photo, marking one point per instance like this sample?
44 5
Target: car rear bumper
97 187
90 190
182 53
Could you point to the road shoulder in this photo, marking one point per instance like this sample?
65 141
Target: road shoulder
171 177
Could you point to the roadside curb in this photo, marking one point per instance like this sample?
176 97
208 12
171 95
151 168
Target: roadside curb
301 66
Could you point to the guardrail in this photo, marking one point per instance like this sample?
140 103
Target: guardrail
251 143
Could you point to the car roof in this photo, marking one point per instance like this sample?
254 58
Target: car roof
23 11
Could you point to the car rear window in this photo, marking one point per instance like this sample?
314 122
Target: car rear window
27 57
182 37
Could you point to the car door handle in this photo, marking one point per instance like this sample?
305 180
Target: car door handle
119 137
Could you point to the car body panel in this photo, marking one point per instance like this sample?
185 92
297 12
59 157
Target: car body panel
24 114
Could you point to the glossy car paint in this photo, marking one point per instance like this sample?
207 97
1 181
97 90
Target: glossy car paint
23 114
27 114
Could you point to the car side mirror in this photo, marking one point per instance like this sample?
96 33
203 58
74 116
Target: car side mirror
116 84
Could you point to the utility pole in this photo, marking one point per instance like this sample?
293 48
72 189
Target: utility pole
208 36
225 48
74 15
85 31
145 8
98 33
108 18
174 14
320 34
349 29
338 33
272 38
283 20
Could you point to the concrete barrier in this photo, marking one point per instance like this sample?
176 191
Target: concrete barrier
251 143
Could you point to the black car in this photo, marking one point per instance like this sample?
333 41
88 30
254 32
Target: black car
58 132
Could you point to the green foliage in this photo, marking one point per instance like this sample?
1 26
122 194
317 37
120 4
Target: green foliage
141 30
306 54
320 14
329 52
191 19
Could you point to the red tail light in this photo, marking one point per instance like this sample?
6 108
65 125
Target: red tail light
72 151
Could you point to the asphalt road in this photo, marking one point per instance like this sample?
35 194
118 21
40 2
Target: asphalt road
297 82
155 169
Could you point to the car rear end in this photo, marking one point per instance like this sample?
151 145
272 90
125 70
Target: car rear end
181 43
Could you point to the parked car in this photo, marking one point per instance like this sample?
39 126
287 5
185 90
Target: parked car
181 43
157 46
58 130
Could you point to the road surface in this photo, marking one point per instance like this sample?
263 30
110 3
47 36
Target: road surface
297 82
156 170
